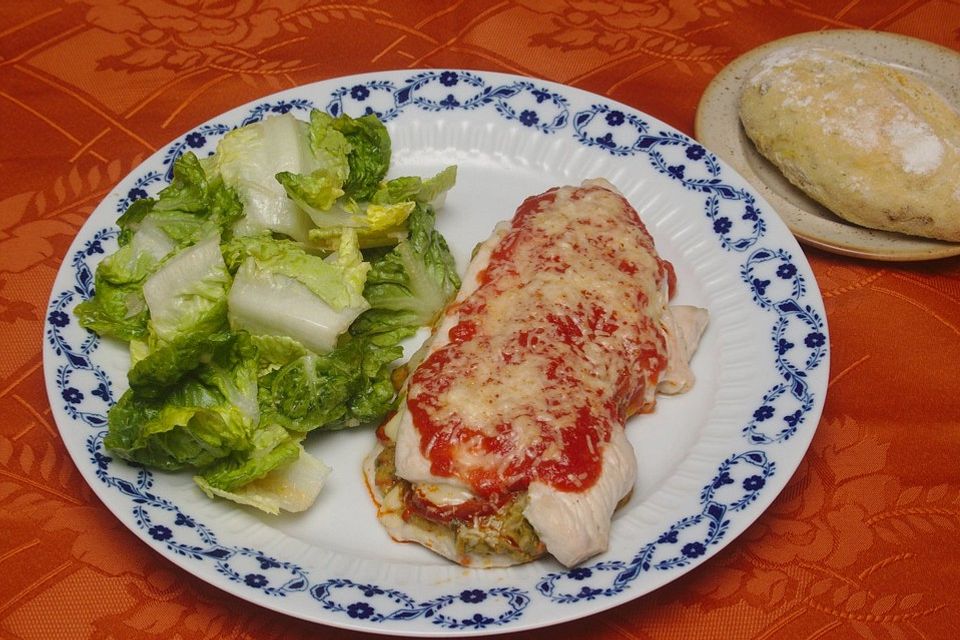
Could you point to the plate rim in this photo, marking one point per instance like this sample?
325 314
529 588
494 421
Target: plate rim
760 501
719 101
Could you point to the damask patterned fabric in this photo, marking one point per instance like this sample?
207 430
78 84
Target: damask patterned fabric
863 543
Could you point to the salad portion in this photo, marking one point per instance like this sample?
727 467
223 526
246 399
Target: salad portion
265 294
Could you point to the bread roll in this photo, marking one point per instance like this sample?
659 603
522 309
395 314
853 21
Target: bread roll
872 143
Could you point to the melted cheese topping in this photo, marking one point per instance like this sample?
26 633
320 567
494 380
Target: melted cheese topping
567 232
556 342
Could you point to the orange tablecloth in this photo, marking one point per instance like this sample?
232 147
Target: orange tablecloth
865 540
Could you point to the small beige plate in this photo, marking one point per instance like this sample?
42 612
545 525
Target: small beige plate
718 128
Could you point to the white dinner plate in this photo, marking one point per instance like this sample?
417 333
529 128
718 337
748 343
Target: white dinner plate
710 461
718 127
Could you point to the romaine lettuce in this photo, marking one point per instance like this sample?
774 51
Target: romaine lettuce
275 351
248 160
272 447
413 188
292 485
117 308
411 284
188 287
158 369
312 193
376 225
383 220
369 150
193 416
252 315
151 231
344 388
281 290
191 426
330 147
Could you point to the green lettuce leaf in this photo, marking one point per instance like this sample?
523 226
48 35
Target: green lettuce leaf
272 446
161 367
192 207
151 231
344 388
376 225
410 285
330 147
313 193
369 151
190 427
350 158
281 290
117 308
173 418
413 188
292 481
186 289
383 220
274 352
249 158
337 279
433 190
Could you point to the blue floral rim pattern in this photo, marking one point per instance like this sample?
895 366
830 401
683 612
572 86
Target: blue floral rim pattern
798 346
